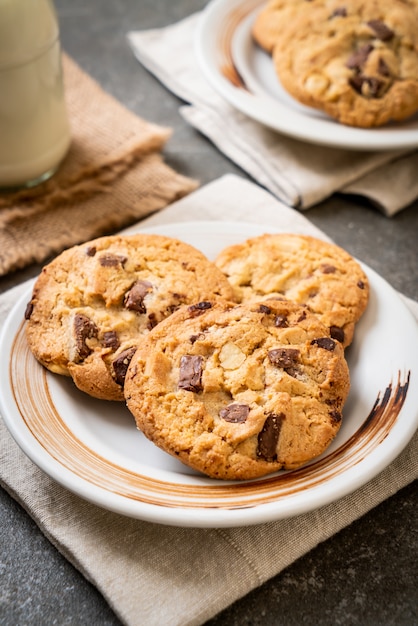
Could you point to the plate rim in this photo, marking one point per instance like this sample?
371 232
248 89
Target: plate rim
204 517
325 132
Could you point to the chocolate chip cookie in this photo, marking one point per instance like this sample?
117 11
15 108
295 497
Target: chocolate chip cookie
306 270
356 61
95 302
273 20
239 391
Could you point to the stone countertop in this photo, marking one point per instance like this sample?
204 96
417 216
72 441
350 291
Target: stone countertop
367 573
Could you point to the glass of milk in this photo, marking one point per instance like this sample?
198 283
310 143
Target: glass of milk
34 126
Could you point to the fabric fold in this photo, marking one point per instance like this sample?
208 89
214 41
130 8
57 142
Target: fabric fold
298 173
152 574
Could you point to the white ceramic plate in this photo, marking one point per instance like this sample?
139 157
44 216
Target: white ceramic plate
93 448
244 75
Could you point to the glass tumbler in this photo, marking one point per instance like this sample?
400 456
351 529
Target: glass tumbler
34 125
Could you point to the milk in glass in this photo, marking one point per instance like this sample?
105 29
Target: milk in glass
34 127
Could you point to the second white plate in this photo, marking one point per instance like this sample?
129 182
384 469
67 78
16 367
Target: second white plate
244 75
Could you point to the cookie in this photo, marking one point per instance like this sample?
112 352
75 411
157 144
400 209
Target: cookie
238 392
356 61
306 270
95 302
273 19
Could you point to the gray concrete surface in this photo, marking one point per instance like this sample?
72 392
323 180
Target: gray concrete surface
366 574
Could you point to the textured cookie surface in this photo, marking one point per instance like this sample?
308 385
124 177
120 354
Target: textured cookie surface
273 19
95 302
356 61
306 270
239 392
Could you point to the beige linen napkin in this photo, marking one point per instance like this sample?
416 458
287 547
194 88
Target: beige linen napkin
113 175
300 174
152 574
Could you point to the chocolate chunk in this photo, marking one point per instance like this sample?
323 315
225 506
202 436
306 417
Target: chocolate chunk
381 30
235 413
382 67
367 86
269 437
110 340
91 250
294 372
84 328
29 310
112 260
339 12
284 357
326 268
356 82
263 308
152 321
194 338
337 333
324 342
361 284
359 57
281 321
302 316
336 416
199 308
134 298
121 364
190 377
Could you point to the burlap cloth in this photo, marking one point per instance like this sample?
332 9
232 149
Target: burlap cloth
155 575
113 175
